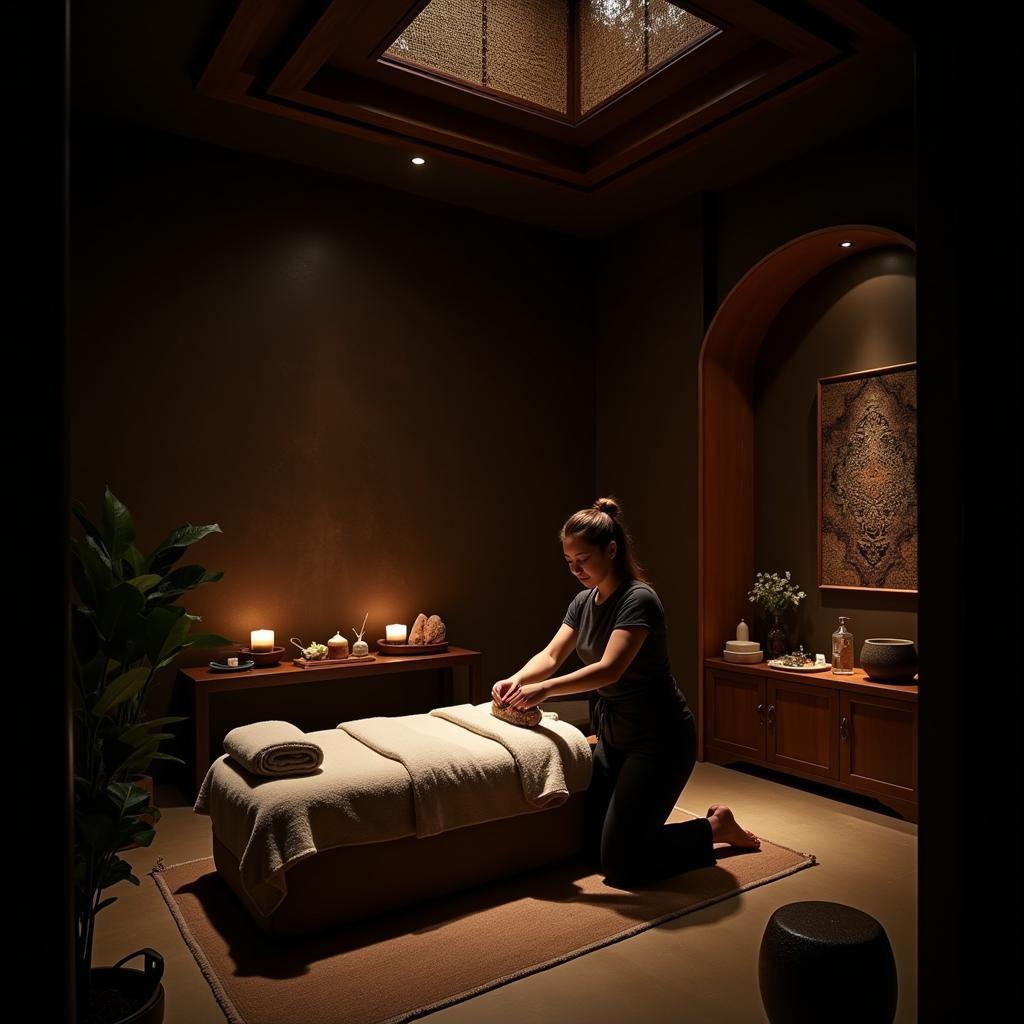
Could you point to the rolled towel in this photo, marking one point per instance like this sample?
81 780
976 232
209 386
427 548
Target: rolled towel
273 748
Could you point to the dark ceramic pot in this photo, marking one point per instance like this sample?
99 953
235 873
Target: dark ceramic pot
887 660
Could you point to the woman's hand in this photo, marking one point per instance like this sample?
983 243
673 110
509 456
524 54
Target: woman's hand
523 696
500 690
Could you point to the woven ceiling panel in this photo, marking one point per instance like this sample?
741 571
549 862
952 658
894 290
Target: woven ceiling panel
673 30
446 35
519 47
526 50
622 40
611 48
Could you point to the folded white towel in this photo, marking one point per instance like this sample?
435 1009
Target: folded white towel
545 755
273 748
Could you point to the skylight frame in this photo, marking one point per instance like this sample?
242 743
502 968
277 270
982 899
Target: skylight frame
573 116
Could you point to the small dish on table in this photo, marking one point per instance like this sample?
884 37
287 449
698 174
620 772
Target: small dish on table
222 666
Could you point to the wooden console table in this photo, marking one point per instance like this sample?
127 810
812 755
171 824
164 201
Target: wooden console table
202 683
846 731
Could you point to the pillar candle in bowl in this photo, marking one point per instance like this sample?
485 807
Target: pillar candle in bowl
395 634
261 640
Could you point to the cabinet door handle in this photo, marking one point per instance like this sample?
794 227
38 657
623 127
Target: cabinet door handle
842 727
760 713
771 714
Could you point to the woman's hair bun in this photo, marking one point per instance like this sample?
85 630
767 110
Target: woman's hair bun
608 506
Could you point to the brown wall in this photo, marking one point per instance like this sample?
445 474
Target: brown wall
379 399
268 347
658 289
650 329
857 315
866 177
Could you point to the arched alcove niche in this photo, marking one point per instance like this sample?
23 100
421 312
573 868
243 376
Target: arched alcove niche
726 422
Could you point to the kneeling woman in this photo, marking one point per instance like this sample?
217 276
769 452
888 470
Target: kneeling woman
647 735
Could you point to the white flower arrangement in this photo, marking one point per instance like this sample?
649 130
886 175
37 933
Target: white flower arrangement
775 594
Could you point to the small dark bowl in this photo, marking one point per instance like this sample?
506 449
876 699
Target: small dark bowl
888 660
263 658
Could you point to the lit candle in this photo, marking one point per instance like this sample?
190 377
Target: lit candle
395 634
261 640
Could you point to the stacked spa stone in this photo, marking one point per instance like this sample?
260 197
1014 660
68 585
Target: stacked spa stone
743 651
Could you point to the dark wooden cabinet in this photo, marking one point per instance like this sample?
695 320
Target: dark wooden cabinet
846 731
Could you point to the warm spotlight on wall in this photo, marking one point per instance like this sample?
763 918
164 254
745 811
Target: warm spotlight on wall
845 244
418 160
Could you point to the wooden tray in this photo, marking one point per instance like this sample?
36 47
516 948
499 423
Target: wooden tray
333 662
383 647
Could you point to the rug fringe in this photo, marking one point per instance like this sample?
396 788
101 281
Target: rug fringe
219 992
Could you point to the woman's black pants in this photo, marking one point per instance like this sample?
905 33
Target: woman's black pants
631 794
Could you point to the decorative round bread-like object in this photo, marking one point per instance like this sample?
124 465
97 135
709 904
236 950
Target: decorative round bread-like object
418 627
529 718
434 631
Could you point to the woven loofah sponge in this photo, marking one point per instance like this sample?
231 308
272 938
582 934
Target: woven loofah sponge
530 718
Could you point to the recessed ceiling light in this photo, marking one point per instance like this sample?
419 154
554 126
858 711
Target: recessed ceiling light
845 245
418 160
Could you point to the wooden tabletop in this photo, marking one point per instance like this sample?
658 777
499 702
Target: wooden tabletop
287 672
857 681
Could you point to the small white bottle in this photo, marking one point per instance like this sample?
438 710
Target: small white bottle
842 649
743 631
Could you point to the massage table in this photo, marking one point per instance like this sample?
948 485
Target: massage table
401 810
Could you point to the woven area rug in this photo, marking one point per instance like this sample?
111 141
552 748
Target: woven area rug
411 962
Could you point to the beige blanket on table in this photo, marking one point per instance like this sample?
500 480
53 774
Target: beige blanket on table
359 795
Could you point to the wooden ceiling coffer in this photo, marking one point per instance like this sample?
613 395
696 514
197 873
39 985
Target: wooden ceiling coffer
571 93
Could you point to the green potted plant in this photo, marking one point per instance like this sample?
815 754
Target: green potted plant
775 595
126 626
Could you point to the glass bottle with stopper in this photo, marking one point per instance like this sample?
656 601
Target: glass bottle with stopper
842 649
360 649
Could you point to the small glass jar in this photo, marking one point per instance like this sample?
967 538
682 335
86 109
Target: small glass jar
842 649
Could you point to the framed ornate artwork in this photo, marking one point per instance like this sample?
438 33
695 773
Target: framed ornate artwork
867 480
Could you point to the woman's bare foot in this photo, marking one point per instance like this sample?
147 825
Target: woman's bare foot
724 829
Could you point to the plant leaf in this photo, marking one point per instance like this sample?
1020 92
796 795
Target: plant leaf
120 622
160 756
136 559
146 582
96 566
121 689
160 623
202 641
118 528
82 516
174 544
135 733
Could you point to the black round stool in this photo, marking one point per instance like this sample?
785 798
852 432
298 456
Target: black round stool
822 961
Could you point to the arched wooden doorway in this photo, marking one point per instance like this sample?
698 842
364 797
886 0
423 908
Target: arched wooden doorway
725 400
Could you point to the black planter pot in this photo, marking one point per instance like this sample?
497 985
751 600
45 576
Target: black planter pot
123 995
887 660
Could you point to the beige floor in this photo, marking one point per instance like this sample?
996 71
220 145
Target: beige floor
701 967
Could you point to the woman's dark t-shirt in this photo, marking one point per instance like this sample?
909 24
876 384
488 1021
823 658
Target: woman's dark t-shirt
644 702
